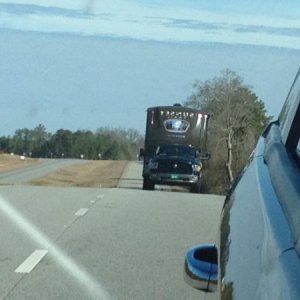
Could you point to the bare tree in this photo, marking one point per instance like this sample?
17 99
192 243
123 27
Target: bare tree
238 117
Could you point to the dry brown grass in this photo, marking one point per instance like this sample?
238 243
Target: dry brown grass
11 162
104 173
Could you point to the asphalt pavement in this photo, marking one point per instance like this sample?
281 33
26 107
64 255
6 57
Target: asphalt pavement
95 243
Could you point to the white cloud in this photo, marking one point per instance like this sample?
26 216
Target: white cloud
133 20
77 4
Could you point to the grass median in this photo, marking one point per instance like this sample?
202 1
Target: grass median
94 173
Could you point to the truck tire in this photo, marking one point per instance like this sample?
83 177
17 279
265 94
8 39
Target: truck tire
148 184
196 187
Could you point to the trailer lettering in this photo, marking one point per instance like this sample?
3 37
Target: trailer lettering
172 114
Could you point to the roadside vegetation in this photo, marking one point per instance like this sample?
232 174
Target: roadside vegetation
100 174
9 162
105 143
237 119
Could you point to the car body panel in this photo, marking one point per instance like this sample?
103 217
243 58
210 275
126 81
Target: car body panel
256 259
260 228
259 244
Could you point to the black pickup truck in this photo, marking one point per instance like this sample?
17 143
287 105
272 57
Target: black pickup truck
175 147
175 164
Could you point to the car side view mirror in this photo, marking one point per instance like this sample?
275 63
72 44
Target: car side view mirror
141 154
204 156
201 267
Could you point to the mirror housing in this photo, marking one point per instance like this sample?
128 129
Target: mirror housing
201 267
205 156
141 154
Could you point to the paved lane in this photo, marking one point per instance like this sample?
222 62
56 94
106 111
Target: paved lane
87 243
36 218
132 176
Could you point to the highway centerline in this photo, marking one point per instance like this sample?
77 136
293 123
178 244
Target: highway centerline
31 261
81 212
93 288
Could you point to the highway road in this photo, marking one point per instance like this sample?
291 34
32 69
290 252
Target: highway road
96 243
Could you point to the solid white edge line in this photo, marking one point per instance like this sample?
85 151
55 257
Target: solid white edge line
31 261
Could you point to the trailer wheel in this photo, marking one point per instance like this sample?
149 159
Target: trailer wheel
148 184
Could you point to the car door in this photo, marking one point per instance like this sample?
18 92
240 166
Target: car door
260 229
259 246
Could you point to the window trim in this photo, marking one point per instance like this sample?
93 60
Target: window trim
289 117
285 178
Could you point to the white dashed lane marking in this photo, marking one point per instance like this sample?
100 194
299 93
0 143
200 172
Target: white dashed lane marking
31 261
81 212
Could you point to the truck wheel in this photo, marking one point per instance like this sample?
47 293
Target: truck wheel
196 188
148 184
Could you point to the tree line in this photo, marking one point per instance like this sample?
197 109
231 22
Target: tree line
105 143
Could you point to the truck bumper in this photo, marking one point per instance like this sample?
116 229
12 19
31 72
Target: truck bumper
174 179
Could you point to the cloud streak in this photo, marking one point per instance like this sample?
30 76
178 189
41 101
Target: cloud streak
142 22
23 10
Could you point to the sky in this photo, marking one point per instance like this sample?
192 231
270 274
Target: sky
82 65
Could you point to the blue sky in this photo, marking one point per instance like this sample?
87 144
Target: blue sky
88 64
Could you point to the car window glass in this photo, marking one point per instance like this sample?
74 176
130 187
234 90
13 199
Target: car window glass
298 149
288 112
